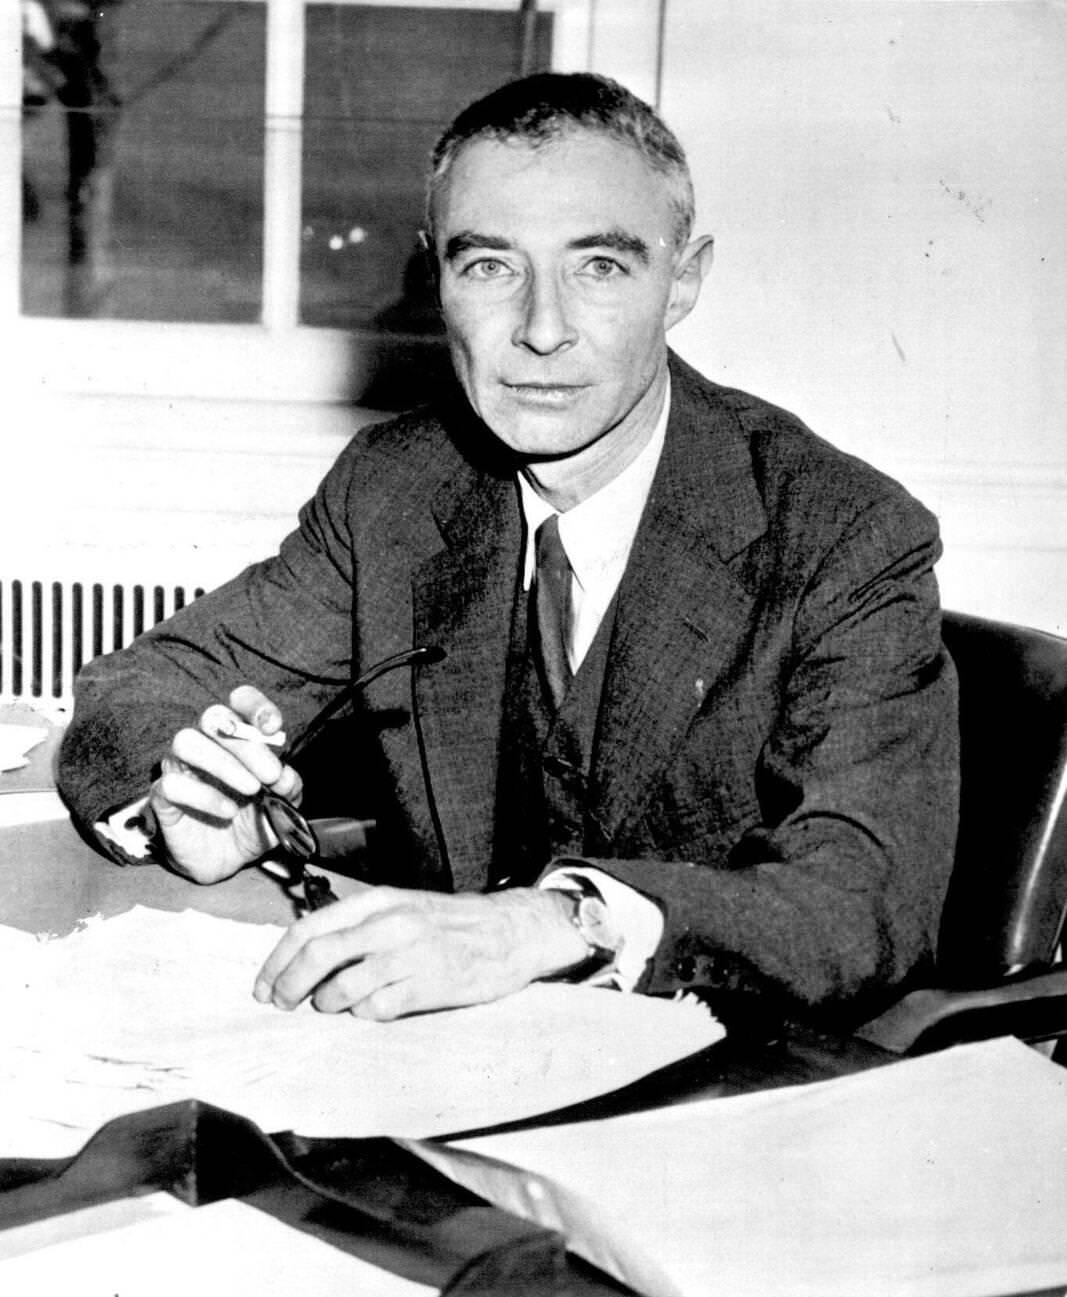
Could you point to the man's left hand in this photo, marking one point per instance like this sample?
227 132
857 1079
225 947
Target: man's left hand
384 952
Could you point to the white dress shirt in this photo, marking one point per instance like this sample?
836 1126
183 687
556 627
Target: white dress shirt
597 535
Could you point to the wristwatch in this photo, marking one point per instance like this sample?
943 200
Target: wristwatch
593 920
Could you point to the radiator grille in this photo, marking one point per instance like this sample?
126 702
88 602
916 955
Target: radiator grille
49 629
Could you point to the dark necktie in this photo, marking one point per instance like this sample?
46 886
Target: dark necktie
552 602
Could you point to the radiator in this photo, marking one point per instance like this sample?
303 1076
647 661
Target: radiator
50 628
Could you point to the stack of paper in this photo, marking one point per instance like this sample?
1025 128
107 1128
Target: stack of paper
152 1007
943 1176
161 1247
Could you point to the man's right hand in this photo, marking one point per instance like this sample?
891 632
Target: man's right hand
205 800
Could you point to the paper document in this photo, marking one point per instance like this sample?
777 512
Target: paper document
17 742
152 1007
37 807
943 1176
167 1249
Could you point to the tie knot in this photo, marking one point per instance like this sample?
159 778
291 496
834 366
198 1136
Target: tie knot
550 554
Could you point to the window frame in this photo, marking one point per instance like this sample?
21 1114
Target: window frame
276 358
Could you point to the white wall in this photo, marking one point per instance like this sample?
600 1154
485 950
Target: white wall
148 489
887 185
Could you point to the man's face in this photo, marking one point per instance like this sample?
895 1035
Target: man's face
559 278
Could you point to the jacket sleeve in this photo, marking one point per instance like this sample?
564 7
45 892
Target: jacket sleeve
832 894
284 625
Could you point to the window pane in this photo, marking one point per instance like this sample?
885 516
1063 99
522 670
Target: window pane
381 83
143 170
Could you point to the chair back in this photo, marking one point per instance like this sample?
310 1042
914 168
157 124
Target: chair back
1008 894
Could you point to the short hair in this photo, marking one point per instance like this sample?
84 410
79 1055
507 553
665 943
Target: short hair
543 108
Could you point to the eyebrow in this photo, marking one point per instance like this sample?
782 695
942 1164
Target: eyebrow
612 240
466 240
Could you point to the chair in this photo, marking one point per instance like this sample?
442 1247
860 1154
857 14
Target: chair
1000 967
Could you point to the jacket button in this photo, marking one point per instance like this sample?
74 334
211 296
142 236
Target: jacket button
558 768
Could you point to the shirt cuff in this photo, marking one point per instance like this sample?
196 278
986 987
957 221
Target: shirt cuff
639 921
125 833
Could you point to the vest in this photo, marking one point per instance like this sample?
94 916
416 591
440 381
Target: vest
543 796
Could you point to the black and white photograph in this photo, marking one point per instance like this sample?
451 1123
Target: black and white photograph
533 648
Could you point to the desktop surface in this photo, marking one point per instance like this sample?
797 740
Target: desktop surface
50 880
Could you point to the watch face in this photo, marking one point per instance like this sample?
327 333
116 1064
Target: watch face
595 925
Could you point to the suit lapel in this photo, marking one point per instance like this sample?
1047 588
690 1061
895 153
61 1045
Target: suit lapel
683 614
462 600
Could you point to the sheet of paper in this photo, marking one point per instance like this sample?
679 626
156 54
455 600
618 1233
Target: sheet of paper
17 742
943 1175
166 1249
152 1007
35 807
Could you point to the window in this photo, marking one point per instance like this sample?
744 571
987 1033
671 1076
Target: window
368 131
247 172
142 173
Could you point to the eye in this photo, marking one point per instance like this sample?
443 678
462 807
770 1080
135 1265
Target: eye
486 268
601 268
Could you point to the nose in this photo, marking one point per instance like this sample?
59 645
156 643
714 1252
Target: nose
544 325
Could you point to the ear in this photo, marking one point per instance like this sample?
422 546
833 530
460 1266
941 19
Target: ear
694 262
429 256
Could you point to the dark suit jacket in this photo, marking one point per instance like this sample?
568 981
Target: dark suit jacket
776 755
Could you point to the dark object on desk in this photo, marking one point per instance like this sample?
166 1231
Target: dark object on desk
999 967
370 1197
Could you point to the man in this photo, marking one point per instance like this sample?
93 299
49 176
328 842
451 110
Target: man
748 784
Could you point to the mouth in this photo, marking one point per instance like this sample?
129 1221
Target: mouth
545 394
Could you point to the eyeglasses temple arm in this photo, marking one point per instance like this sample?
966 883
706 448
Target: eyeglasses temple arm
423 655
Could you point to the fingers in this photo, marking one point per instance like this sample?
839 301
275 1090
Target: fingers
205 798
346 980
216 726
237 764
378 984
257 709
251 709
179 791
208 836
389 951
392 1000
244 771
321 943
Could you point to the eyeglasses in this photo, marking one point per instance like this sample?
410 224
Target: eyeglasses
297 844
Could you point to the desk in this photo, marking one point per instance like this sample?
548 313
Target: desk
50 878
38 773
366 1198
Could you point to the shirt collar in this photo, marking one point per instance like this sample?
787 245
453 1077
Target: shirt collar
597 533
